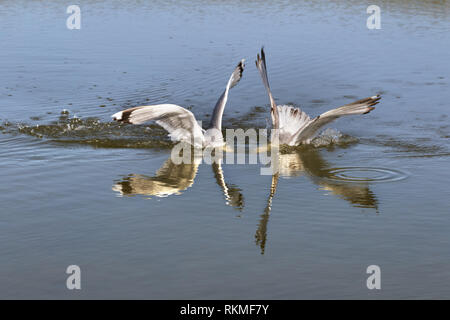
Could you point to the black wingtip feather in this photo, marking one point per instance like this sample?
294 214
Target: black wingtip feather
126 114
373 102
261 59
241 66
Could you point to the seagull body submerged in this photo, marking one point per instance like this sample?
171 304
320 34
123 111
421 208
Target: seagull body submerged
294 126
180 122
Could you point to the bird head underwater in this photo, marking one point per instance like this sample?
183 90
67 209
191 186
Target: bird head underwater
291 125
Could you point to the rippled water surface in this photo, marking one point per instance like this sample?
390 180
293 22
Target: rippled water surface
78 189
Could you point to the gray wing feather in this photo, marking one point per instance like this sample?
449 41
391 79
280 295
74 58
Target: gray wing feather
216 119
262 68
363 106
179 122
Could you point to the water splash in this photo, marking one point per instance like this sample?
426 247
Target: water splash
70 129
332 137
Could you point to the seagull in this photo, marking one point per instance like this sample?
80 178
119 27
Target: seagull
180 122
294 126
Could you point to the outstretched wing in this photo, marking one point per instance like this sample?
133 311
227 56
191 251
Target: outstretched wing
179 122
216 119
261 65
307 133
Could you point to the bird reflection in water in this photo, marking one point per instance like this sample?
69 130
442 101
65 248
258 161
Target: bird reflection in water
174 178
232 194
309 162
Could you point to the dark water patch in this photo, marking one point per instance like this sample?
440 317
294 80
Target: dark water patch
128 143
435 155
394 123
350 97
256 117
318 101
419 147
347 86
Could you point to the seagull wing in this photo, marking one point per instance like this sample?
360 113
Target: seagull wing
306 133
216 119
179 122
261 65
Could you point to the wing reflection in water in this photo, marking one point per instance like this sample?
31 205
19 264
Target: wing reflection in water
309 162
174 178
232 194
169 179
261 232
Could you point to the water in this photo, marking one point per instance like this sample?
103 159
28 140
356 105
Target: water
78 189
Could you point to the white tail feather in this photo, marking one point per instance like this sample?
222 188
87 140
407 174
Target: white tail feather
291 120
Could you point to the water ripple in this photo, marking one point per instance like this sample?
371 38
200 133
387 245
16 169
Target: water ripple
366 174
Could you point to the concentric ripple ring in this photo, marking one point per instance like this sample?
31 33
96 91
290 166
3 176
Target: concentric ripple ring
365 174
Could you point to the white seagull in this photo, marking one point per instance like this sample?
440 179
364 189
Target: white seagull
294 126
180 122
